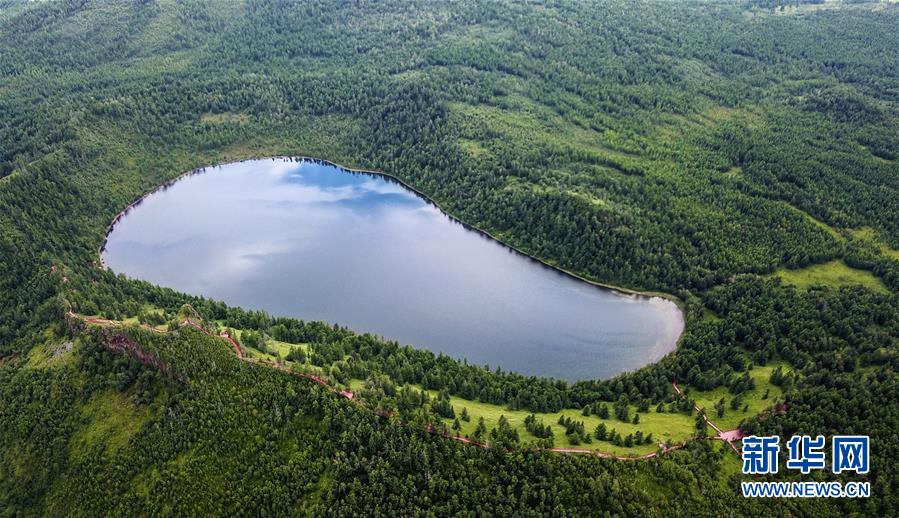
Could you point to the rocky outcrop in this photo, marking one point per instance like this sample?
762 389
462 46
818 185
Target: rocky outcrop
118 342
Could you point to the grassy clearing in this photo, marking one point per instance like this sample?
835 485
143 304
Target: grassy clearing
251 352
667 427
815 221
730 464
751 398
275 349
534 125
869 235
734 172
54 352
222 118
51 354
473 148
800 9
109 419
832 274
283 348
710 316
147 309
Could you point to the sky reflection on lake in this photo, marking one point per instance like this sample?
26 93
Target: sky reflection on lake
313 241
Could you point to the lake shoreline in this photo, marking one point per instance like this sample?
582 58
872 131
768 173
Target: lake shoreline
618 290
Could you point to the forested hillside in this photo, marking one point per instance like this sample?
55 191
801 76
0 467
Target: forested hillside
740 156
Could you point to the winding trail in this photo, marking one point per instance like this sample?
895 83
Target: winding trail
350 396
728 436
224 335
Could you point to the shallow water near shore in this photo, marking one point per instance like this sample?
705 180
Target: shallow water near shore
313 241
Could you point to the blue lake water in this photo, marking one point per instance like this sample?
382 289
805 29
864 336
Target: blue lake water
313 241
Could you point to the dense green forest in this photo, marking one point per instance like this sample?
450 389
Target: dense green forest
732 154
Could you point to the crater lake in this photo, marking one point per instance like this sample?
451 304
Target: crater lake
308 239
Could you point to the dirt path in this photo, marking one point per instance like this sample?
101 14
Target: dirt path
576 451
109 323
728 436
223 334
349 395
317 379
